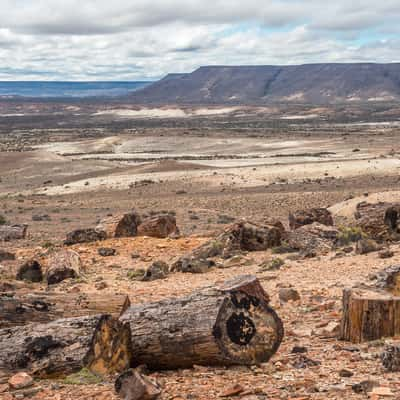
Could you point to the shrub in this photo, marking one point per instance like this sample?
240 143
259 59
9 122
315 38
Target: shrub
3 220
350 235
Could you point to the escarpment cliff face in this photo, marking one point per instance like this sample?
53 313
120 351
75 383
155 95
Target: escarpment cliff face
311 83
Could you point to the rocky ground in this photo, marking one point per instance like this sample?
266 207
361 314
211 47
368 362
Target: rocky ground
206 197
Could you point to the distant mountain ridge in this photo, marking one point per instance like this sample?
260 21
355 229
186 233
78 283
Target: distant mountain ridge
308 83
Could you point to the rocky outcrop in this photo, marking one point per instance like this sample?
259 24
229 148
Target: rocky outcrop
306 217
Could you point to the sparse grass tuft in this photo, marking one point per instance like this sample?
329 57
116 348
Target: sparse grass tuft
83 377
3 220
273 264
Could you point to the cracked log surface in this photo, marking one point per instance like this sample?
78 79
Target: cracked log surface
226 325
100 343
369 315
44 307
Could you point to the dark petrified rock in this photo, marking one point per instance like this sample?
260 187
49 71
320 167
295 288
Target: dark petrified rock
306 217
30 271
106 251
157 270
313 239
86 235
13 232
6 255
122 225
380 221
63 265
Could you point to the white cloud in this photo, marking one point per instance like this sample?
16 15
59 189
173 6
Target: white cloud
125 39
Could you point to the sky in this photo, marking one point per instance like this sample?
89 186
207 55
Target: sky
146 39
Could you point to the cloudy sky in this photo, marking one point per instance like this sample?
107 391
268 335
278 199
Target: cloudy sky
145 39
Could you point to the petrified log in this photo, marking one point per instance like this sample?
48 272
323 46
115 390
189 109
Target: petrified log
67 345
159 226
12 232
63 265
306 217
390 357
132 385
31 271
22 309
226 325
380 221
86 235
6 255
312 239
241 236
389 280
369 315
124 225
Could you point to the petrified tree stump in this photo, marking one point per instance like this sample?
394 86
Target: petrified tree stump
124 225
63 265
45 307
98 342
369 315
225 325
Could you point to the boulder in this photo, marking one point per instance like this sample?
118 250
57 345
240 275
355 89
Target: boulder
63 265
159 226
106 251
30 271
239 237
380 221
365 246
313 239
86 235
157 270
13 232
306 217
288 294
6 255
122 225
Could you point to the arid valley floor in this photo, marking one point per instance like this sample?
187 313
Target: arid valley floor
210 167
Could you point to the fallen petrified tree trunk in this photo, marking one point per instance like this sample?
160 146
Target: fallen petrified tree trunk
369 315
12 232
45 307
381 221
63 265
124 225
225 325
66 345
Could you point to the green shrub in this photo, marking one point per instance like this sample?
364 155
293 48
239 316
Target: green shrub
348 235
3 220
273 264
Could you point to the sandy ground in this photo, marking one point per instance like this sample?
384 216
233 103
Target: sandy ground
201 178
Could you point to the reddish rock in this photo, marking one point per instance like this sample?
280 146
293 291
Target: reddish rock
159 226
20 381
